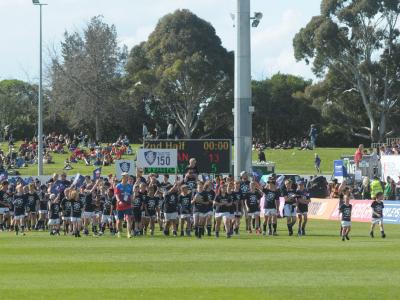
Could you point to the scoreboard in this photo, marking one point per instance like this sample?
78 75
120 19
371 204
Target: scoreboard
212 156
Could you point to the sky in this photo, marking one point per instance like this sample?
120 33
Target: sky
272 49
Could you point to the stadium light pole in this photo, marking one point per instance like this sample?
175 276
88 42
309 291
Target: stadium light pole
40 100
243 109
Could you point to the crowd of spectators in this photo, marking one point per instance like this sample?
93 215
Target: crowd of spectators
367 189
392 149
79 147
290 144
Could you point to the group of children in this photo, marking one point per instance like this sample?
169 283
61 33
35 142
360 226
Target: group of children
345 209
135 205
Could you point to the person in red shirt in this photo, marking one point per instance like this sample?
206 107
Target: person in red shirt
358 155
123 193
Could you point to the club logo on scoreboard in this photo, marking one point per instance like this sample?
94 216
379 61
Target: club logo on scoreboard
150 157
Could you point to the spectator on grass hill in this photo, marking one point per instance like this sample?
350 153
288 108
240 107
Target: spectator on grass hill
261 156
313 136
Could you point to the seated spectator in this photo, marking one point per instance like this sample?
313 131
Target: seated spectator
47 158
305 145
125 141
19 162
67 165
98 161
129 151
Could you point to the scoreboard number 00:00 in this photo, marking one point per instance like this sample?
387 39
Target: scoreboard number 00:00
211 145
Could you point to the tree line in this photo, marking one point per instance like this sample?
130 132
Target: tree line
183 75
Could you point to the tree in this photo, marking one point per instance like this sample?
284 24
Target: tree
18 107
282 111
359 40
184 71
86 80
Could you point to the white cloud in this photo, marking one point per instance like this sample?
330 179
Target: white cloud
136 19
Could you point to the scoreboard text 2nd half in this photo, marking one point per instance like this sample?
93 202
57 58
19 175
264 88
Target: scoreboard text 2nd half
213 156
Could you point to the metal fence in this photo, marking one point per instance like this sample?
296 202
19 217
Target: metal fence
389 142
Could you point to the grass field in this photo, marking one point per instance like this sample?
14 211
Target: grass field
317 266
287 161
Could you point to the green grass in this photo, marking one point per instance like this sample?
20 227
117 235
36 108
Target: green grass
287 161
302 162
317 266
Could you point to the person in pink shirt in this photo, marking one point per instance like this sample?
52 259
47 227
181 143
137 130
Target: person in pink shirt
358 155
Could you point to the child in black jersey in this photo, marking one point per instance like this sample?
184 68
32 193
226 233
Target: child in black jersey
185 205
345 209
151 207
19 202
253 206
377 214
54 214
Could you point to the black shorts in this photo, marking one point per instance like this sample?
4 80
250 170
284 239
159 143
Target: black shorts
151 214
137 215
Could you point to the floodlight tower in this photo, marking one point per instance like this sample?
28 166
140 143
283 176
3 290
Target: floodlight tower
243 109
40 100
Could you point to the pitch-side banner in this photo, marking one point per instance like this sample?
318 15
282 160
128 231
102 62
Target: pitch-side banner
391 212
157 158
328 209
361 211
390 166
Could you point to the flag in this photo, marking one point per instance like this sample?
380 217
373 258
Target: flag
256 174
78 180
13 180
57 187
264 179
206 177
280 181
97 173
3 176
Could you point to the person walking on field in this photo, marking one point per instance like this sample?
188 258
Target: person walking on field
317 163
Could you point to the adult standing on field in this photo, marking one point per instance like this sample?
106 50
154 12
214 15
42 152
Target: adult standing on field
313 136
123 193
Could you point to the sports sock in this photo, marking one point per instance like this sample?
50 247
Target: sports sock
274 226
208 229
264 227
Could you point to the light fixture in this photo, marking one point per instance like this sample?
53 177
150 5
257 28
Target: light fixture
256 19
